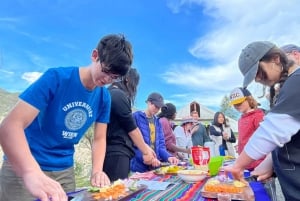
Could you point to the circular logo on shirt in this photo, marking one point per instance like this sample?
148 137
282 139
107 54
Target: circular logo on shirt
75 119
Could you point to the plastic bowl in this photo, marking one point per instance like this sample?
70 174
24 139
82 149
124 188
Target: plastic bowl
192 176
214 165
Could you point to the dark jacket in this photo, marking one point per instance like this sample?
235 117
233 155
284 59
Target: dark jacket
162 154
200 136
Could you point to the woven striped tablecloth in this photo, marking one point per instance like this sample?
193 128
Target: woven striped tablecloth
178 191
181 191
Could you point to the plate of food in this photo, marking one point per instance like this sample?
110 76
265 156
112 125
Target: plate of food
236 189
171 169
119 190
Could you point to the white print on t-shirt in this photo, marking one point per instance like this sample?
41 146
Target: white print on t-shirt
75 119
79 104
69 135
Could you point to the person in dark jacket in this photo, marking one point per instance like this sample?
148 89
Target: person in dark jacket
122 132
198 131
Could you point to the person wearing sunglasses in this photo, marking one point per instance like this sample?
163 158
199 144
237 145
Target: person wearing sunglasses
279 132
51 116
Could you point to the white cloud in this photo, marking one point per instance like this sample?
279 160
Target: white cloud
30 77
6 72
195 77
235 24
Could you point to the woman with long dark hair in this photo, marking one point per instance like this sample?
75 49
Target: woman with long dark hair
222 135
122 132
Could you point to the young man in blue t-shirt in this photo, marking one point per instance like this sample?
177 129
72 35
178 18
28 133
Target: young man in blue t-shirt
52 115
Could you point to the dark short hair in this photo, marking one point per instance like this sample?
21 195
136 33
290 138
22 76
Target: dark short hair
168 111
116 53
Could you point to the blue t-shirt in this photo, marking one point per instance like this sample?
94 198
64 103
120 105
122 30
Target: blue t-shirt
66 110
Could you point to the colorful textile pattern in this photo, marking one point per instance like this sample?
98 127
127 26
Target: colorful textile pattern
179 191
182 191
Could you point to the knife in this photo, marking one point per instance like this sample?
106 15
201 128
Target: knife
251 178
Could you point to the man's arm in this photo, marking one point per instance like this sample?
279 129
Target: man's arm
137 138
99 178
12 135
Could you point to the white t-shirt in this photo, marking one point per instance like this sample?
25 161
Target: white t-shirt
183 140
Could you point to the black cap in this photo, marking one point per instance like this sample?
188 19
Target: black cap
156 99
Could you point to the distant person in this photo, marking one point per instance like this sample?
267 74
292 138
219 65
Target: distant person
293 53
166 116
199 133
222 135
152 131
183 136
265 63
122 132
52 115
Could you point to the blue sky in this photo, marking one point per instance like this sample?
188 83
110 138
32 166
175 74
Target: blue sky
185 49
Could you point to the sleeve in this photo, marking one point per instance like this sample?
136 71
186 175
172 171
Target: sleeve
214 132
179 133
232 138
275 130
164 154
121 107
138 153
168 133
105 106
206 137
39 93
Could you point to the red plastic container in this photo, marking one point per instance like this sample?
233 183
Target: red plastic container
200 155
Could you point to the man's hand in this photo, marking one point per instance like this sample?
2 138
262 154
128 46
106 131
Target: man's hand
43 187
188 151
149 156
100 179
155 162
236 172
225 136
173 160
